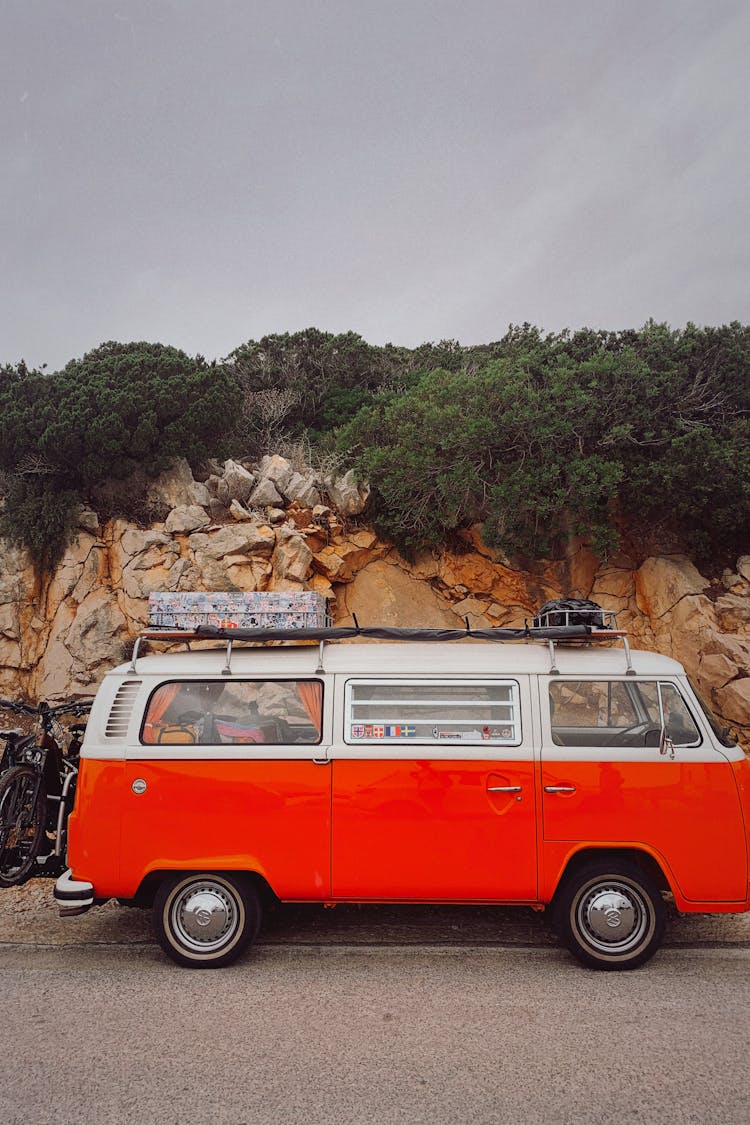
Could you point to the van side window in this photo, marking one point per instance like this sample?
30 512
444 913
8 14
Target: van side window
618 713
234 712
679 722
430 712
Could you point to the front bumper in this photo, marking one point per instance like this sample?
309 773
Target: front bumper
73 896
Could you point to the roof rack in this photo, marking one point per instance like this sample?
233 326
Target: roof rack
549 634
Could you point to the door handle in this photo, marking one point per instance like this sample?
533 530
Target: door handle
559 789
503 788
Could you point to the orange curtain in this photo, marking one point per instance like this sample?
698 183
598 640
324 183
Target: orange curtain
311 695
161 702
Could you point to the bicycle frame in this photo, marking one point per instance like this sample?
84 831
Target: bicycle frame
55 771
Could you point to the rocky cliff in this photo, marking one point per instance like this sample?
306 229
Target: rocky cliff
267 527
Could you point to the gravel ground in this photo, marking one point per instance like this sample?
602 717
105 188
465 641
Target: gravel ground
29 916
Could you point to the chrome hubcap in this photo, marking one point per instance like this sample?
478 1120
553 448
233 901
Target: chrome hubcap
205 916
612 916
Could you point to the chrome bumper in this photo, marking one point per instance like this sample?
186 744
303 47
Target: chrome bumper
73 896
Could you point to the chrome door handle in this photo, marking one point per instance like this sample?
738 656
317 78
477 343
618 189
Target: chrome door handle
559 789
503 788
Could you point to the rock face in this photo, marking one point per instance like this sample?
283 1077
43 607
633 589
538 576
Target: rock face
265 528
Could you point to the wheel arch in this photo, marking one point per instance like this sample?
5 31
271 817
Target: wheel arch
642 858
146 893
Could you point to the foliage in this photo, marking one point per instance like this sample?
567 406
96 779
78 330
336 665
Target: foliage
121 408
39 517
541 437
322 379
536 435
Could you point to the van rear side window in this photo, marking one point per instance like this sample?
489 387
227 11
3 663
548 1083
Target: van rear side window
433 711
234 712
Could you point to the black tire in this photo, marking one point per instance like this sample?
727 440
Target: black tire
205 920
23 814
610 915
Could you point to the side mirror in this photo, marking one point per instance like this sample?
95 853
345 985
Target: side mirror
666 745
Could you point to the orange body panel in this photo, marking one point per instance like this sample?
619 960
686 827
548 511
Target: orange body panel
425 830
272 817
411 830
688 815
94 846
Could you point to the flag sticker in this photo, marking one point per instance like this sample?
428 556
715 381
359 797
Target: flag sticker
358 730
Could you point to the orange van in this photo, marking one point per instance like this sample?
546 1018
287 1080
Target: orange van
582 778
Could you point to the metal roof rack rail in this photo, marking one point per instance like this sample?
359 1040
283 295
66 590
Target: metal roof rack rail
550 634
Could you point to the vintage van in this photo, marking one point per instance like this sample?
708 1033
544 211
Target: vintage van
582 778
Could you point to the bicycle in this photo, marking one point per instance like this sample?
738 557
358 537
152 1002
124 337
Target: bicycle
37 788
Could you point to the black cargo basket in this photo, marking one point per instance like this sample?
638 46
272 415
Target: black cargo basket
562 612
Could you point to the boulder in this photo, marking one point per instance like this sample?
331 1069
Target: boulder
730 580
330 564
743 567
207 469
89 521
277 470
177 488
261 540
733 701
135 541
235 539
10 627
70 570
217 511
716 670
181 521
382 594
662 582
613 582
299 517
91 636
238 512
238 482
302 489
212 573
346 495
733 612
475 611
292 557
265 495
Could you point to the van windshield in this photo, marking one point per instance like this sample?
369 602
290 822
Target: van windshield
724 733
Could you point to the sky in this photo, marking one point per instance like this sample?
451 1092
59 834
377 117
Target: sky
204 172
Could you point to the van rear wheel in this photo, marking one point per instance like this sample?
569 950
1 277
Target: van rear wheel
205 920
610 915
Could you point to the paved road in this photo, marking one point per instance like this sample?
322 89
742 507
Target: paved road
366 1034
367 1015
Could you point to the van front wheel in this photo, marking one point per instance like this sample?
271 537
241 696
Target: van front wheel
205 921
610 915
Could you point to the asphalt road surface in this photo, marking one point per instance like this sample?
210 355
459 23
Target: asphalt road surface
367 1015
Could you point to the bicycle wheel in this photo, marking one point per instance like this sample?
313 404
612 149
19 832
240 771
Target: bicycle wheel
23 811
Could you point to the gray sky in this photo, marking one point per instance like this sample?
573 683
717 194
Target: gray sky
199 172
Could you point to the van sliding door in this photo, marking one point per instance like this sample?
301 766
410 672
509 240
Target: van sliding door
433 791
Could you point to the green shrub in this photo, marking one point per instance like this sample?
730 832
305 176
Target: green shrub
119 409
572 434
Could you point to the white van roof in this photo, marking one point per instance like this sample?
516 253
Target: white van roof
403 658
